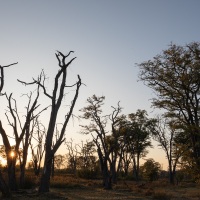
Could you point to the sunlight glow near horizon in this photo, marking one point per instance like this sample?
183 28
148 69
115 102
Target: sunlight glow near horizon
108 38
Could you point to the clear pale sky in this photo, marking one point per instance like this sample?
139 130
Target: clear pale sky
108 37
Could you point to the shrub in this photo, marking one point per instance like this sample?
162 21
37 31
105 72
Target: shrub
87 174
160 195
150 170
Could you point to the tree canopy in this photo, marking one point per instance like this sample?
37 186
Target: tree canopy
175 77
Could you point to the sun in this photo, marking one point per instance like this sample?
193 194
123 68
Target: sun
12 154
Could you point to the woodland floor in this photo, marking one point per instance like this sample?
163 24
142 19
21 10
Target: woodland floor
80 189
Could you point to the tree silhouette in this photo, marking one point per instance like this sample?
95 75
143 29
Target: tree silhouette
3 186
56 100
175 77
138 137
166 133
20 134
37 151
2 78
106 149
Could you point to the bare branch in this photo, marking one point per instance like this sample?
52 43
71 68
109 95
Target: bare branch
41 78
9 65
25 83
2 76
60 140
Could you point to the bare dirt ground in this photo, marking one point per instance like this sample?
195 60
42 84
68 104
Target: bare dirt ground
82 194
81 189
140 192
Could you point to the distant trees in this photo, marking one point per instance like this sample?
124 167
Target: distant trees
72 156
124 143
166 133
150 170
81 159
86 159
59 161
139 137
37 150
175 77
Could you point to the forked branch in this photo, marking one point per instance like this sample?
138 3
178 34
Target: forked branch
2 76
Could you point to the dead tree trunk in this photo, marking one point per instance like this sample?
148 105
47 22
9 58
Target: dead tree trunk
19 137
4 188
23 163
56 103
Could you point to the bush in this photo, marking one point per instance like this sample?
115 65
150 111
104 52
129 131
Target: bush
150 170
160 195
88 174
58 184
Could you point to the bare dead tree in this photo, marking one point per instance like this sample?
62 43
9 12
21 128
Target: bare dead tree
72 155
117 124
27 138
56 100
37 151
106 144
86 159
166 133
20 133
23 157
3 186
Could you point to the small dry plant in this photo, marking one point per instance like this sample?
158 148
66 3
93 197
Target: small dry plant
161 195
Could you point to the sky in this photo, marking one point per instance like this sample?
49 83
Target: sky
109 37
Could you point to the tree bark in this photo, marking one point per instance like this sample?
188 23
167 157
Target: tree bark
4 188
107 178
45 179
12 174
23 164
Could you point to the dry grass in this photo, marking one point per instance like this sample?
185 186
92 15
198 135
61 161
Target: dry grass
68 187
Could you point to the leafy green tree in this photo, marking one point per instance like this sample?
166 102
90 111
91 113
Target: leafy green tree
138 139
59 161
174 75
150 170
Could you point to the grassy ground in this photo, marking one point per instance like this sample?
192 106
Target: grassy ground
67 187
